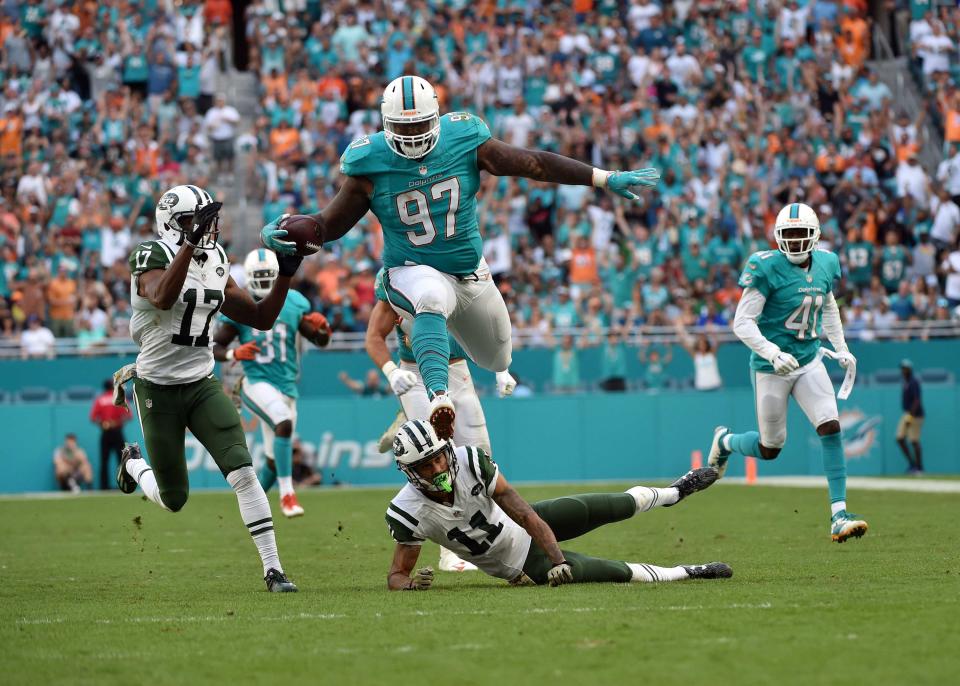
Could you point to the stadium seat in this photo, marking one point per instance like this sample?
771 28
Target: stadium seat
75 394
936 375
887 377
35 394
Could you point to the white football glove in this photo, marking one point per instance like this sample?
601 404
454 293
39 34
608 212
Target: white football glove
560 574
401 380
845 359
505 384
422 580
784 363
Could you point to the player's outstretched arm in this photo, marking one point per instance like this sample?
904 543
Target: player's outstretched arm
224 337
404 560
243 309
519 510
501 159
348 206
745 327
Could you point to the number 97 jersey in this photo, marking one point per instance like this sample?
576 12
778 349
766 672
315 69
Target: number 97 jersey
794 300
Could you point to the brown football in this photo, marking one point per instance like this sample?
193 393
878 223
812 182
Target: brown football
303 230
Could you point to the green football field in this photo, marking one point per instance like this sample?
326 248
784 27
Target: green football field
106 590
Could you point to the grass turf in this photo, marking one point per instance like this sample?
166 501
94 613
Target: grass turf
113 590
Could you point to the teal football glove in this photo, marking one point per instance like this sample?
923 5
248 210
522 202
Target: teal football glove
620 182
271 234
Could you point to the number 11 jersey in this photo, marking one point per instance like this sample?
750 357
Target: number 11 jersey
176 344
794 301
474 527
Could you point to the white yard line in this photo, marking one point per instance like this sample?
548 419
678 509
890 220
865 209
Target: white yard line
863 483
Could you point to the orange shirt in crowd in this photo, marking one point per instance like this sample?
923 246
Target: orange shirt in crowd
328 281
582 6
826 162
147 158
332 82
59 289
905 151
276 86
218 11
654 131
11 134
952 126
583 266
283 141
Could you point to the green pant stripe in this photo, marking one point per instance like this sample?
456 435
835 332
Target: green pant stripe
396 297
256 409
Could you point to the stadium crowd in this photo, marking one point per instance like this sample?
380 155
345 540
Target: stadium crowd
743 105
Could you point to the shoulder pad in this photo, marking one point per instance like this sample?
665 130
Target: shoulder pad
148 256
464 128
361 156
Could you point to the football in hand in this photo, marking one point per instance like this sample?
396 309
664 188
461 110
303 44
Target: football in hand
303 230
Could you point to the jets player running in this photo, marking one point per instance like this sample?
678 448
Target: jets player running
178 284
787 293
457 497
420 177
407 385
271 365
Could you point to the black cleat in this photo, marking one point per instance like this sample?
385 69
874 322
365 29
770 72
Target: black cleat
277 582
711 570
125 482
695 480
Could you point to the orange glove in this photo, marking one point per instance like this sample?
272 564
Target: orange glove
247 351
317 321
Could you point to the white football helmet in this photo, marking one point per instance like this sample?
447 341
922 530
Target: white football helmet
416 443
797 231
175 215
411 117
262 270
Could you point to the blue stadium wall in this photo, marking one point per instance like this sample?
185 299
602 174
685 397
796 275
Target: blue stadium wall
543 438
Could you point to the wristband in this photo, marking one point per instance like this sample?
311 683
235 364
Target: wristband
230 354
388 368
600 177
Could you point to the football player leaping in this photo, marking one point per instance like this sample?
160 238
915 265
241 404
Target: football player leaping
178 284
271 366
420 178
407 385
457 497
785 292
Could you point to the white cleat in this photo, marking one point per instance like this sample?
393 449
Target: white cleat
442 415
386 440
451 562
290 506
718 456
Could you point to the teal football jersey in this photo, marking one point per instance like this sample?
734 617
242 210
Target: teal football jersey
278 362
795 298
427 207
404 350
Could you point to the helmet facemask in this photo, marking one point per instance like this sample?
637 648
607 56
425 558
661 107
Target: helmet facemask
797 241
412 137
439 483
260 282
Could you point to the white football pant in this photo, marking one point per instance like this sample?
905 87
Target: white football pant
271 406
813 390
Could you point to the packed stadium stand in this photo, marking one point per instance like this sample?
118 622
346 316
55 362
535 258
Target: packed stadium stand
744 106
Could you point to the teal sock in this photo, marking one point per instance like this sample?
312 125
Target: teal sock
283 455
267 477
431 347
747 443
834 466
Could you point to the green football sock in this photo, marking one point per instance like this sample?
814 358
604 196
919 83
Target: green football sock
431 348
834 466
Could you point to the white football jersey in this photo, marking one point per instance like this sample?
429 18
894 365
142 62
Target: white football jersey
176 345
474 527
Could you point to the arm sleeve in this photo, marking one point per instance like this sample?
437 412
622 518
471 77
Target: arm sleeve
487 469
832 324
745 324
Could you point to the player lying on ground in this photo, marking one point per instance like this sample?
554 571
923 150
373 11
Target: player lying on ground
420 177
470 427
271 367
178 284
457 497
779 319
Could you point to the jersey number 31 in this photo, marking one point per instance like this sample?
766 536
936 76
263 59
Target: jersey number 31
801 322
